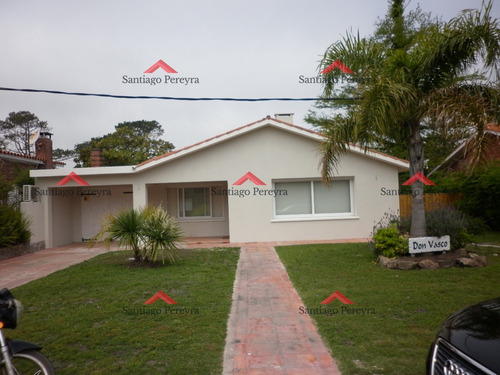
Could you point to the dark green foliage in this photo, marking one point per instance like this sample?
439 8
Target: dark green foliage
481 195
480 192
449 221
14 228
131 143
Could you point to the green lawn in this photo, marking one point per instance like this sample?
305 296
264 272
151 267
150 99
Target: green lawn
492 238
398 312
91 318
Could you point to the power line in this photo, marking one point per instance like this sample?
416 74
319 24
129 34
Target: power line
169 97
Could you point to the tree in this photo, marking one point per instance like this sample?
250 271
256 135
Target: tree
130 144
18 129
414 72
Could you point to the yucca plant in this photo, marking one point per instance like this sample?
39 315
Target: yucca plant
149 232
161 235
125 227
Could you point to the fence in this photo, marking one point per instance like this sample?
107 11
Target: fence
431 201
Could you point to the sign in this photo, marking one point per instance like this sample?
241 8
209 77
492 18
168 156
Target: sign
428 244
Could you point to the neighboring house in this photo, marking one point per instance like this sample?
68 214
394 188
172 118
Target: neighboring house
460 158
259 182
12 163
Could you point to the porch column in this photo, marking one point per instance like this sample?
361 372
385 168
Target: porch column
140 195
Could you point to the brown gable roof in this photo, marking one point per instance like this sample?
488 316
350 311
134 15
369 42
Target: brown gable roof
249 125
29 159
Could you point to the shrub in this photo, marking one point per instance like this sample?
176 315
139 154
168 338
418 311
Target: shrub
14 228
449 221
389 242
151 233
481 194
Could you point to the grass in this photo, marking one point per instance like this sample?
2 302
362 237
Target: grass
405 308
490 237
91 318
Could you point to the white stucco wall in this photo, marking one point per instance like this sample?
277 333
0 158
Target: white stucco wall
272 153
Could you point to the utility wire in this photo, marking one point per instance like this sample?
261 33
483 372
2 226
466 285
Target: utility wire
170 97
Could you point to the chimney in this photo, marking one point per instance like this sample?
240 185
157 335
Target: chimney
285 117
96 158
43 149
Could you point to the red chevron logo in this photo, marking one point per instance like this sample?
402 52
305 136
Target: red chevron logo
418 176
163 296
73 176
249 176
339 296
334 65
160 64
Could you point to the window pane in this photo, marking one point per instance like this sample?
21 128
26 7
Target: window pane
334 198
297 201
196 202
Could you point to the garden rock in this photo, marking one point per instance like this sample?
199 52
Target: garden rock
385 262
459 258
481 259
467 262
428 264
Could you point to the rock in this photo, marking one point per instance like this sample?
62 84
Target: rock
428 264
406 264
461 253
482 260
386 262
467 262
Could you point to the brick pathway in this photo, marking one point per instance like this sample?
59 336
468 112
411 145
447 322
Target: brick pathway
266 333
25 268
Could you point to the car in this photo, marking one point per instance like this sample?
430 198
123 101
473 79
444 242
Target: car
468 342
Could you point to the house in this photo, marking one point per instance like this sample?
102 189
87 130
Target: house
460 158
11 163
258 182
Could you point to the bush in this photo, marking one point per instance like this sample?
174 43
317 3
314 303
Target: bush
151 233
389 242
14 228
481 194
449 221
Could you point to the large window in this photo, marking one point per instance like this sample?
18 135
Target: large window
195 202
313 198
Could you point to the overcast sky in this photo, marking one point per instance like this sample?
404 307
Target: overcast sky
240 49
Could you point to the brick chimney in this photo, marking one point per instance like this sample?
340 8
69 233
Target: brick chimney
95 158
43 149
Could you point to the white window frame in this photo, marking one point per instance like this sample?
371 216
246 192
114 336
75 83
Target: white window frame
314 215
182 202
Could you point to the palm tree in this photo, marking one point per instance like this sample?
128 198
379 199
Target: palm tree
414 71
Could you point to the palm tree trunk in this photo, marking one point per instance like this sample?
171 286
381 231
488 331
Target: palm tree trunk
416 150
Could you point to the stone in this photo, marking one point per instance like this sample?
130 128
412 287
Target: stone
461 252
428 264
482 260
386 262
406 264
467 262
